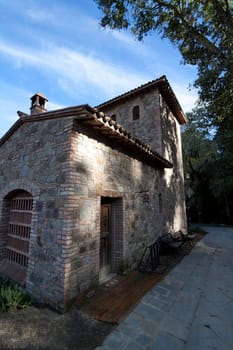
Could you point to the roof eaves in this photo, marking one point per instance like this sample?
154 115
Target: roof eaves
60 113
11 131
97 120
112 130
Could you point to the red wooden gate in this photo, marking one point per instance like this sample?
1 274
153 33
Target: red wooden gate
19 229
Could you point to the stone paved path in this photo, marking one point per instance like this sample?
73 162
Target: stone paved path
192 308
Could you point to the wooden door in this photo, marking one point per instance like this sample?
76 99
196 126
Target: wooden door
105 238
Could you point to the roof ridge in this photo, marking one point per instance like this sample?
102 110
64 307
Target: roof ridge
137 89
166 91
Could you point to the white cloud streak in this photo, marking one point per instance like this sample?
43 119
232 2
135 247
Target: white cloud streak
74 68
74 72
88 65
186 98
38 15
12 96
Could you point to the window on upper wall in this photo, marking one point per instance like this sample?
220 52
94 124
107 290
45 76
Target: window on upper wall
136 112
160 203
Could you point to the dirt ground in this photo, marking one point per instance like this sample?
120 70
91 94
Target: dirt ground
36 328
40 328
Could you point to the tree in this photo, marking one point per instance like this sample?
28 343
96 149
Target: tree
203 31
198 155
208 191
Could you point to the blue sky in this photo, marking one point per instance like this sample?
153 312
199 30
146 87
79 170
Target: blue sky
58 48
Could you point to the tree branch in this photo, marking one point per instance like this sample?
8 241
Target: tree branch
203 39
224 13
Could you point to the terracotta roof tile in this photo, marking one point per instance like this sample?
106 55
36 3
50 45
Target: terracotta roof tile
100 122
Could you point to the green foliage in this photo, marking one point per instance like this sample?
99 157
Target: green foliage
203 31
192 25
199 148
209 183
12 297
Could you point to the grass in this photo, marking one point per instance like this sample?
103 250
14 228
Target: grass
12 297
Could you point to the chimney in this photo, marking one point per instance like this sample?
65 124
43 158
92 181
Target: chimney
38 104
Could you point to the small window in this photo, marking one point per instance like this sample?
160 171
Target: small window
136 113
160 203
113 117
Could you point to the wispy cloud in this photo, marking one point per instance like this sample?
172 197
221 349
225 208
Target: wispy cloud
62 50
186 97
57 16
51 106
129 41
13 98
38 15
19 55
10 97
74 68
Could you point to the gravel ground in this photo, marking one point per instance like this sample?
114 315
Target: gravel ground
36 328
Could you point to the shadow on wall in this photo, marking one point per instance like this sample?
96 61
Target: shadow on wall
151 199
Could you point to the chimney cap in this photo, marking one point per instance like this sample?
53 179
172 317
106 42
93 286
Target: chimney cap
38 103
40 95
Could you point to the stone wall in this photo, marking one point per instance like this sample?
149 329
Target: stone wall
158 127
172 150
138 190
68 168
148 127
36 159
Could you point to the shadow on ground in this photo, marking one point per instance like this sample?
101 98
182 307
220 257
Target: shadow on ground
40 328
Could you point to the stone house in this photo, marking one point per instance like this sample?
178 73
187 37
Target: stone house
84 190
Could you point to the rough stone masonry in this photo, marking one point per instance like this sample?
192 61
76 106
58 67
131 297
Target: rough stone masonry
73 162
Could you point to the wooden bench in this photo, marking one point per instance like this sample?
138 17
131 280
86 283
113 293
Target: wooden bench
169 244
173 242
166 243
186 237
150 258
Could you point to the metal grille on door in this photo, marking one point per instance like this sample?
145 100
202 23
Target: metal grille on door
19 229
